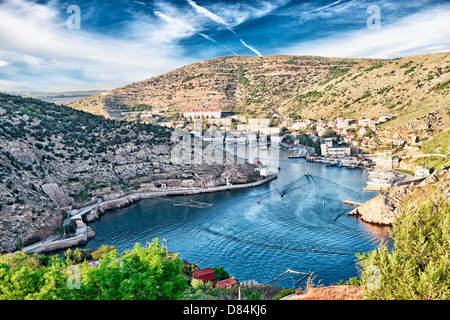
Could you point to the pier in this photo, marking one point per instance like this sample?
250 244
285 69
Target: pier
353 203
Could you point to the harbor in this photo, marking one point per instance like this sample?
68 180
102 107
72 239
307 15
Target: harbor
241 228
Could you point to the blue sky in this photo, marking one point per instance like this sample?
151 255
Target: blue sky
121 42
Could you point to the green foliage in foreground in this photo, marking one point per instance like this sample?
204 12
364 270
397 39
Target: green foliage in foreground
138 274
248 291
418 268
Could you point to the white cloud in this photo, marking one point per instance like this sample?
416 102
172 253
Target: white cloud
34 40
207 13
420 33
236 13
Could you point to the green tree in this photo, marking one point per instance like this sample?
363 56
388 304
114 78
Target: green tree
418 267
139 274
102 251
220 273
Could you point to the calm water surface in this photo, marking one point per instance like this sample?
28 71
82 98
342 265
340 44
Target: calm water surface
306 230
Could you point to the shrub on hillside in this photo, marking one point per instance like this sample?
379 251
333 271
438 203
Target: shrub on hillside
418 267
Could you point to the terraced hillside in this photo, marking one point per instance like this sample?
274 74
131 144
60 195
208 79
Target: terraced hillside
251 85
312 87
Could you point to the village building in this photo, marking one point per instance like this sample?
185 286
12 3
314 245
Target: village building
205 275
202 113
421 172
228 283
386 160
220 121
343 123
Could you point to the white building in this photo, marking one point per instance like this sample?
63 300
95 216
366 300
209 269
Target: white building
421 172
343 123
335 152
205 113
264 171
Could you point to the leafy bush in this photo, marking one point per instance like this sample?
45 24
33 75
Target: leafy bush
284 292
103 251
418 267
141 273
373 67
197 284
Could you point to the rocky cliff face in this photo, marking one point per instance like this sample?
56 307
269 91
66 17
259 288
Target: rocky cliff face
53 158
383 208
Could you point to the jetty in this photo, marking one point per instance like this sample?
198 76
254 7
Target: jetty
353 203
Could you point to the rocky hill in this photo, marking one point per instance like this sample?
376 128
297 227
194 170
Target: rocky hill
315 87
54 157
255 85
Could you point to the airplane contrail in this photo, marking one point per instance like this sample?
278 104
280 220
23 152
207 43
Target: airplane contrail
221 21
211 39
327 6
190 28
251 48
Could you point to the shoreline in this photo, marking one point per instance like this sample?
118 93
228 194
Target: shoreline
93 212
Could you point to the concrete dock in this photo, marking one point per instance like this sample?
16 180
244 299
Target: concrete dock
353 203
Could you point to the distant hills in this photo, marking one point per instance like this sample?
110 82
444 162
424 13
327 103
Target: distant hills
303 85
416 89
64 98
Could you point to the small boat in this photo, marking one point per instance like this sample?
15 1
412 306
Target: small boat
306 174
331 165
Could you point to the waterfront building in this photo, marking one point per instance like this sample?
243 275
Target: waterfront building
337 151
386 160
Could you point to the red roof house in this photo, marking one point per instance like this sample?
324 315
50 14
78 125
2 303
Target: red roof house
228 283
206 274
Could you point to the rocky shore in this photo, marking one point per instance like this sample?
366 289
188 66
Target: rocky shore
382 209
93 212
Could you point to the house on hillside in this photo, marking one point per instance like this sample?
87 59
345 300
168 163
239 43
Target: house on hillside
205 275
228 283
421 172
386 160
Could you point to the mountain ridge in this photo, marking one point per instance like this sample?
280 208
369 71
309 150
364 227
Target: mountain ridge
303 85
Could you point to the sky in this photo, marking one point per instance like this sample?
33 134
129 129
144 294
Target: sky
66 45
